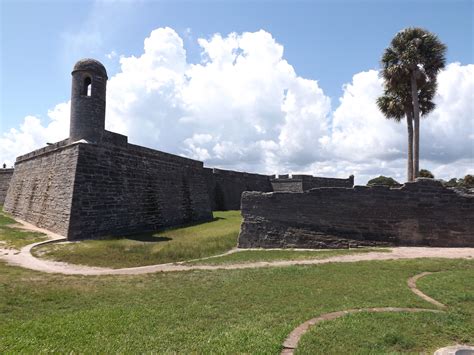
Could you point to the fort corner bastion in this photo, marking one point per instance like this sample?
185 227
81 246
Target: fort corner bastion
95 183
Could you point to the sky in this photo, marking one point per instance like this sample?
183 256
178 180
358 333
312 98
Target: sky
261 86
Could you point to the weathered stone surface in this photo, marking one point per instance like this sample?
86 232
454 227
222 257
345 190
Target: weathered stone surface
300 183
41 188
130 189
418 213
225 187
87 190
88 106
5 177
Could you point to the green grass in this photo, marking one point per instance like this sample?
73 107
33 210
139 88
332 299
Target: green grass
403 332
248 256
230 311
14 238
167 246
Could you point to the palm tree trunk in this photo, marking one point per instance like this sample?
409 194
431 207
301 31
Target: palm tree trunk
416 120
409 116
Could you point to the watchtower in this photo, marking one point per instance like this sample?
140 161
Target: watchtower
89 82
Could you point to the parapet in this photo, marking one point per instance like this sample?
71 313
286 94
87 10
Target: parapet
300 183
48 149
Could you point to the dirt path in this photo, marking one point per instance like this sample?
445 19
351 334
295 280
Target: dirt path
25 259
291 342
412 285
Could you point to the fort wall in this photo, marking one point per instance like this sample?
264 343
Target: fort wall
41 187
300 183
5 177
130 189
419 213
225 187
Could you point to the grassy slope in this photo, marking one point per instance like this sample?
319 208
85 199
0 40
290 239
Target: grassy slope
15 238
403 332
167 246
174 245
248 256
222 311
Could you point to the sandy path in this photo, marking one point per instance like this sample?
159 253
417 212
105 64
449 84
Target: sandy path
25 259
412 286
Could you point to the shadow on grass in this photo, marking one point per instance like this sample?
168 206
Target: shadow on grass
152 237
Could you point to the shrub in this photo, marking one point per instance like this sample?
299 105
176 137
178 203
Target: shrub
468 181
426 174
451 183
383 180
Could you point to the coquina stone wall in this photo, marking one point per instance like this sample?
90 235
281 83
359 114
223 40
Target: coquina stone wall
41 187
300 183
419 213
129 189
5 177
225 187
84 190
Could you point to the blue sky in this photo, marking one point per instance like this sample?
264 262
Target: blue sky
312 111
327 41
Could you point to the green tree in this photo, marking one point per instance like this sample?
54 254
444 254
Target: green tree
426 174
383 180
451 183
392 107
396 102
468 181
414 58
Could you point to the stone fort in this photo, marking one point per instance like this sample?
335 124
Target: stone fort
95 183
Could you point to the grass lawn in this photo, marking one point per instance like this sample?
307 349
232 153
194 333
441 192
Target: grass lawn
248 256
186 243
235 311
403 332
14 238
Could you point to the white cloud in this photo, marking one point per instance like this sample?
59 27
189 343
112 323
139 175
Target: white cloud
360 132
111 55
32 134
243 107
448 132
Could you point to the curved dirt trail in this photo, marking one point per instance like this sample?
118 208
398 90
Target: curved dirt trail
25 259
291 342
412 285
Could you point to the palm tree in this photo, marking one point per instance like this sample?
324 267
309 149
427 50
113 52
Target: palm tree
414 58
393 107
396 103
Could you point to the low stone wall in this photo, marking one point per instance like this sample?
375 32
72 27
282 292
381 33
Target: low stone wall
225 187
5 177
300 183
419 213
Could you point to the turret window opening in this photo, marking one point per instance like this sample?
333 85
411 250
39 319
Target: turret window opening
87 87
